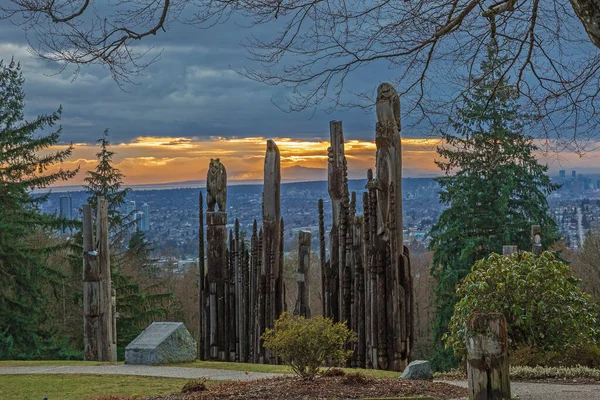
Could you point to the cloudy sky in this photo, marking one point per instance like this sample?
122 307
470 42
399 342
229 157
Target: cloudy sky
191 106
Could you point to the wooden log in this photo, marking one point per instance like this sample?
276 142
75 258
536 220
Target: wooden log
335 179
303 276
536 239
217 271
487 357
366 247
323 261
254 275
272 234
99 332
203 320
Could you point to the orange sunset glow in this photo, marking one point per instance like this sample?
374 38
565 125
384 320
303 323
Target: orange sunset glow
154 160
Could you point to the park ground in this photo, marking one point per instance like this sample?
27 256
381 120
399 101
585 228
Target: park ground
77 380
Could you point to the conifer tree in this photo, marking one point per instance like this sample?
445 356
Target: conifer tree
493 185
106 181
25 331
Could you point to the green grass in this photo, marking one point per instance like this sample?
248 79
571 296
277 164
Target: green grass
49 363
84 387
275 369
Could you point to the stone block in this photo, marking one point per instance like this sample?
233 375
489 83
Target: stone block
162 343
418 370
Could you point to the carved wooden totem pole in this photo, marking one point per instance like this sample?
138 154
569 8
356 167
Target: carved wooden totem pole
217 263
99 333
394 292
303 277
367 281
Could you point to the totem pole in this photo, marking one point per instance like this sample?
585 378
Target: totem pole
394 291
99 334
303 277
217 261
272 266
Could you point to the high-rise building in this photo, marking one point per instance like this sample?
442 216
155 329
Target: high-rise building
130 207
145 217
137 218
66 210
573 174
66 207
562 173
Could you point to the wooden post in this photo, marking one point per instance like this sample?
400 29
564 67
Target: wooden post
203 342
536 239
99 335
487 357
335 179
303 276
322 256
217 260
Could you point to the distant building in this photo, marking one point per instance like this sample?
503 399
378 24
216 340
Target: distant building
574 174
138 218
66 207
66 210
130 207
145 217
562 173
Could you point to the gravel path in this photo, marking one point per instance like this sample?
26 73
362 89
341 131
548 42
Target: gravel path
524 390
548 391
141 370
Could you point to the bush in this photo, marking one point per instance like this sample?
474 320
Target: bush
194 386
571 356
356 378
306 344
540 298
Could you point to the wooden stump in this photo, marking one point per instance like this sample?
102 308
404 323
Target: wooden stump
487 357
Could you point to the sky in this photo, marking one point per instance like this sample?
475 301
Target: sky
191 106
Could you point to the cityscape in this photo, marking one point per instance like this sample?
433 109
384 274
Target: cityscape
169 217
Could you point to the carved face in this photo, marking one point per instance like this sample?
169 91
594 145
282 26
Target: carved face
215 166
385 91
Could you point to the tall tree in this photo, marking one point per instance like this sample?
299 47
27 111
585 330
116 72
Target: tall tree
25 158
106 181
494 187
315 45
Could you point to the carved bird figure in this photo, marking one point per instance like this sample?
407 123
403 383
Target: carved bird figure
387 106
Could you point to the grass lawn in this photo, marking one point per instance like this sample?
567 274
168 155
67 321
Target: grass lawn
275 369
50 363
83 387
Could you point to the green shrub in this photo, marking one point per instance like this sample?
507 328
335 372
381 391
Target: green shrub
540 298
571 356
306 344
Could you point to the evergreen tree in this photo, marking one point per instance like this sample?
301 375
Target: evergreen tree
106 181
494 188
25 331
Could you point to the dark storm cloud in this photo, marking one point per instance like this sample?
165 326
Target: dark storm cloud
192 90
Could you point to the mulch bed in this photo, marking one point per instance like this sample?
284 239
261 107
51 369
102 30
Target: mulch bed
346 387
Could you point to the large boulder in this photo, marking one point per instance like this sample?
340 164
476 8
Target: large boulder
162 343
418 370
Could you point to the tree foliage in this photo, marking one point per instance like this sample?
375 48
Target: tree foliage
551 47
494 188
539 296
307 343
25 160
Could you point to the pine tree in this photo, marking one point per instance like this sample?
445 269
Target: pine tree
494 188
25 331
106 181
